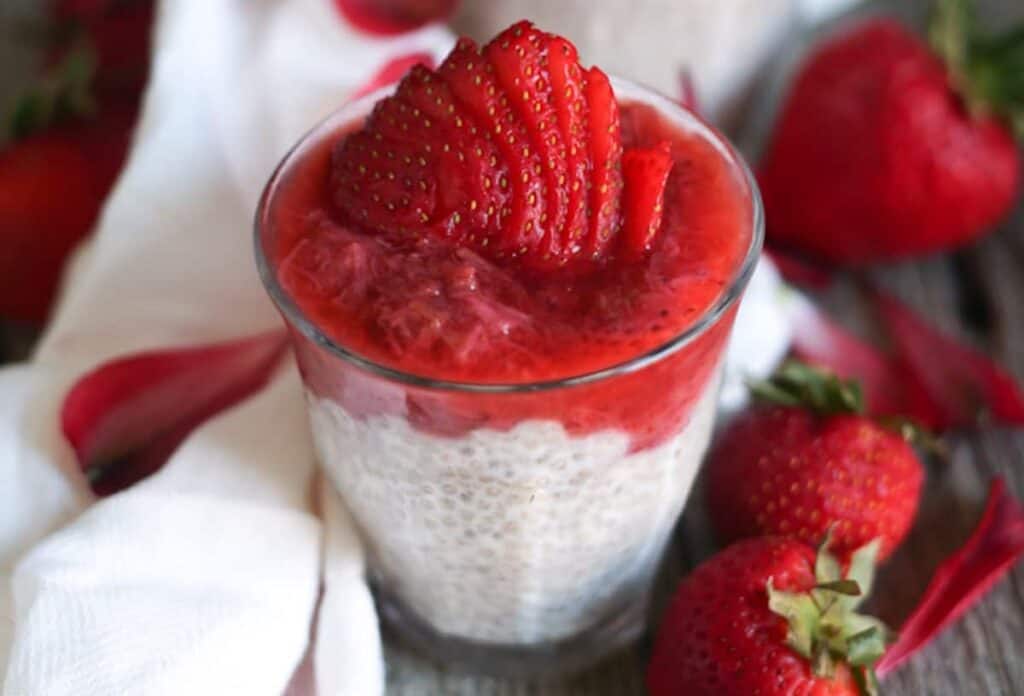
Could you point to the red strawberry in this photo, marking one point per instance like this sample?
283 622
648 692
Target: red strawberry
118 32
52 186
81 10
644 172
514 150
765 617
883 151
813 464
121 38
47 203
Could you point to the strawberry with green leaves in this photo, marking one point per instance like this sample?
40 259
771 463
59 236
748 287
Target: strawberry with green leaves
888 148
64 149
805 460
514 150
768 616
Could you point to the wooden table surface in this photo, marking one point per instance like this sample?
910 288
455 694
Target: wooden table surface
978 294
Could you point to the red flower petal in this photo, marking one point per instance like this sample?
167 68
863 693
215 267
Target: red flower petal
951 383
390 17
393 71
126 417
800 271
820 341
996 544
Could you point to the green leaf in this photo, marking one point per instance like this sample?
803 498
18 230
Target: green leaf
800 612
826 566
64 91
854 623
862 570
866 648
768 392
799 384
950 32
867 681
987 70
823 665
849 588
1018 125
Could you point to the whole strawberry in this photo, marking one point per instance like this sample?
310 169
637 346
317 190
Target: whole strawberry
59 157
887 149
808 462
765 616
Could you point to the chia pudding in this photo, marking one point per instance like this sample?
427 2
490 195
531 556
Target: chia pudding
513 409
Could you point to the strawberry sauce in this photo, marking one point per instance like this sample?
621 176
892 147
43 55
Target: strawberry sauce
434 309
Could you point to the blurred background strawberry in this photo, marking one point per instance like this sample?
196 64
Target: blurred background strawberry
63 142
890 147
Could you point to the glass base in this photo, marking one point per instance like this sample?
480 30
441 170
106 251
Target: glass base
523 661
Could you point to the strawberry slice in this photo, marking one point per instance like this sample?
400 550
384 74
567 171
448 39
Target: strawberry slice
126 417
465 149
382 184
644 172
473 82
520 59
606 154
567 94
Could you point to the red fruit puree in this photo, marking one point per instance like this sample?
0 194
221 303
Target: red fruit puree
433 309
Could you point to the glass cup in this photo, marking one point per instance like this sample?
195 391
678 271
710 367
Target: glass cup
513 528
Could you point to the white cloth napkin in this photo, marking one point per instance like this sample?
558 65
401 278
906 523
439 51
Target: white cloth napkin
205 578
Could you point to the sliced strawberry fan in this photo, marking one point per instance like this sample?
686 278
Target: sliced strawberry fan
512 149
126 417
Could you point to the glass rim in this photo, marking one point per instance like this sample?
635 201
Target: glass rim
624 89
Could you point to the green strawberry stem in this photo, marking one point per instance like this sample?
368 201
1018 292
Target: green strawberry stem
65 90
824 627
798 384
986 70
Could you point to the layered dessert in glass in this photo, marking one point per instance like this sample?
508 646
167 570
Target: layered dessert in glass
510 282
